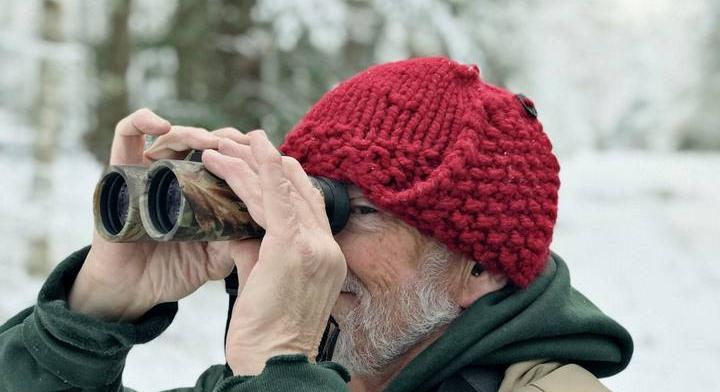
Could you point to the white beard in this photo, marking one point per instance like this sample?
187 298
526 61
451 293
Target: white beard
381 329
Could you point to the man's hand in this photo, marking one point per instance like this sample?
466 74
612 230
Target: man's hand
122 281
291 280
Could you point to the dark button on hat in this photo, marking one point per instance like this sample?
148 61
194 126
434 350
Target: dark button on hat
528 104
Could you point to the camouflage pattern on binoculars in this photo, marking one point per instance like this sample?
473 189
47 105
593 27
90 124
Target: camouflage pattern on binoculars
179 200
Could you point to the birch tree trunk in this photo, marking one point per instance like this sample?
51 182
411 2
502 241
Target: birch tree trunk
47 121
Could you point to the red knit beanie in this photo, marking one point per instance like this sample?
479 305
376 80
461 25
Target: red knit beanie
430 142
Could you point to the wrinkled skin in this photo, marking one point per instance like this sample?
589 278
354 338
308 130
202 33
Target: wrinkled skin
290 280
122 281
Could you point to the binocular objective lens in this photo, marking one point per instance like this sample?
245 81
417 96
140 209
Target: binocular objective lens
164 200
114 203
123 204
172 201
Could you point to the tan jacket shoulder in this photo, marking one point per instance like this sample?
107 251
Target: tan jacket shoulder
541 376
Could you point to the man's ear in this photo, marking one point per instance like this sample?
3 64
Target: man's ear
476 282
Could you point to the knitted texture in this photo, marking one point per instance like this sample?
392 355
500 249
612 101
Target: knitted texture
430 142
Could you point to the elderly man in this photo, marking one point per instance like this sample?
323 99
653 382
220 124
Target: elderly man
442 279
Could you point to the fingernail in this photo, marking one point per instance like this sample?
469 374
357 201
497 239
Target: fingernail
228 143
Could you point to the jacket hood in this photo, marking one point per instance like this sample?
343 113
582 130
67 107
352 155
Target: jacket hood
547 320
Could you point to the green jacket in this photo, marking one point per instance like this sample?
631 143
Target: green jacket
49 348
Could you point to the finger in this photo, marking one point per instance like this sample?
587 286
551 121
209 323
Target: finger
241 179
220 264
179 140
232 134
311 195
245 254
244 152
129 137
142 122
276 189
306 217
303 204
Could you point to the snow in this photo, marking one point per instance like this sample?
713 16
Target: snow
638 229
640 233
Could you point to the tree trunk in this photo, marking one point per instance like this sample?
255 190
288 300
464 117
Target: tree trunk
47 121
213 77
112 59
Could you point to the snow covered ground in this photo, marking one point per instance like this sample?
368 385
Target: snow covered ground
639 230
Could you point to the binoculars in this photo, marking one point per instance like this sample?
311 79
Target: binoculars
179 200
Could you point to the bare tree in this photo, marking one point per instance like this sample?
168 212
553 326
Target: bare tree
112 58
702 131
216 83
48 120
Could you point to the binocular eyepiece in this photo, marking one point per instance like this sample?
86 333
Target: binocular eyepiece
179 200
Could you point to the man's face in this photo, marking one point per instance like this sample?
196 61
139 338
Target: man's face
396 291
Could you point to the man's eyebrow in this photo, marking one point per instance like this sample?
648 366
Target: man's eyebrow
354 192
357 195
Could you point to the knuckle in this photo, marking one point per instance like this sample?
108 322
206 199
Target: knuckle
316 255
174 134
291 162
295 197
237 165
292 165
318 196
176 130
141 115
284 188
306 251
227 130
122 124
232 165
271 160
130 120
188 135
126 122
193 138
183 130
321 252
142 112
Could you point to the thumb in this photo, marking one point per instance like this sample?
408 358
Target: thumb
245 254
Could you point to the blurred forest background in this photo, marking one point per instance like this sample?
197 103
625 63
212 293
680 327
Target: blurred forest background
628 91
